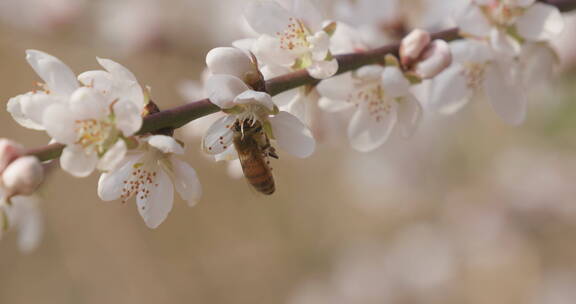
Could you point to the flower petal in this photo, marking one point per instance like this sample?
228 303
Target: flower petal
409 115
222 89
449 91
15 108
292 135
28 219
394 82
505 95
267 17
268 50
540 22
98 79
330 105
472 21
219 136
309 14
504 44
229 61
367 132
117 70
467 50
337 88
155 207
77 162
186 182
538 63
87 103
110 184
250 96
128 117
57 75
113 157
28 109
60 123
322 69
165 144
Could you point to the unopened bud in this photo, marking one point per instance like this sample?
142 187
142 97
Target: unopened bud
435 59
231 61
9 151
22 176
412 46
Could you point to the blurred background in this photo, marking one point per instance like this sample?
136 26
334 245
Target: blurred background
468 210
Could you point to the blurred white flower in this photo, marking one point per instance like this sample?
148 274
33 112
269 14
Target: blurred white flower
130 25
383 102
41 15
22 215
507 23
477 68
504 82
150 174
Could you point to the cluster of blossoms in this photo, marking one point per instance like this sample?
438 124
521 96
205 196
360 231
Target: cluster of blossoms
97 116
505 52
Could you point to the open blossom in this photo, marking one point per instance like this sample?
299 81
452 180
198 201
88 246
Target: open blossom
150 174
59 84
243 104
508 23
23 215
477 68
382 101
92 117
296 36
505 54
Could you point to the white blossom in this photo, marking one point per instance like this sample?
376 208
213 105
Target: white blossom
243 104
23 215
150 174
382 102
506 24
91 115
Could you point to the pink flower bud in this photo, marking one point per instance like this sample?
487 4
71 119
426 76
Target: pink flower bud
412 46
9 151
22 176
435 59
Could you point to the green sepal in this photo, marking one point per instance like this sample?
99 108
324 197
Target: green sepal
267 127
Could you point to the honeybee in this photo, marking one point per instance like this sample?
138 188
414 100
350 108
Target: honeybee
253 147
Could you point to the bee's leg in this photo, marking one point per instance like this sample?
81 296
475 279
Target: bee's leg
272 152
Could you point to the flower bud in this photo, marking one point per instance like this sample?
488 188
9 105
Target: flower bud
435 59
231 61
9 151
412 46
22 176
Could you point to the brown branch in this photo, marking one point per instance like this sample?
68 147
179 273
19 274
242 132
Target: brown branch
181 115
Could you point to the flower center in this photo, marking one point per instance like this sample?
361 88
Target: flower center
294 38
474 73
375 99
140 182
503 13
94 134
